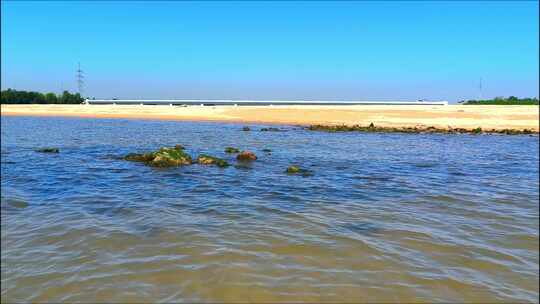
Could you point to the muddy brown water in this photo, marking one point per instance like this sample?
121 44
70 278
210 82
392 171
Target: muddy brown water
383 217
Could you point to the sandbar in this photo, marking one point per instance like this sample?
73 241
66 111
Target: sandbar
496 117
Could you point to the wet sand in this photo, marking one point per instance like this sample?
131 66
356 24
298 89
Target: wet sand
456 116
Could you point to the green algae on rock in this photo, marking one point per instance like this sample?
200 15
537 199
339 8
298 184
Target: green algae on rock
246 156
48 150
204 159
144 157
164 157
231 150
167 157
292 170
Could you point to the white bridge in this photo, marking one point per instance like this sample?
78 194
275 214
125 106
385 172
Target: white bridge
212 102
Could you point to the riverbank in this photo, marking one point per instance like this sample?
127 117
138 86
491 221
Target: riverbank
497 117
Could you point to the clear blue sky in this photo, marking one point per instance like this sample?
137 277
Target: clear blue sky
273 50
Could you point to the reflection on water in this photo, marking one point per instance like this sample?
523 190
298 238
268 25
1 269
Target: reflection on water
383 218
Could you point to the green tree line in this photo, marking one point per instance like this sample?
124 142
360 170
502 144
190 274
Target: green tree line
11 96
512 100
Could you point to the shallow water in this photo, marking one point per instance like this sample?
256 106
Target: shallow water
383 218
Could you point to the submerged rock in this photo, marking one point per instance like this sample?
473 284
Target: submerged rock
17 203
164 157
231 150
48 150
246 156
292 170
243 166
267 150
271 129
204 159
246 128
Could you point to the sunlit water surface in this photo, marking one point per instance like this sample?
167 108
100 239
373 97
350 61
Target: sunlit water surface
383 218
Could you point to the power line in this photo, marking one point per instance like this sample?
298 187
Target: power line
80 79
480 88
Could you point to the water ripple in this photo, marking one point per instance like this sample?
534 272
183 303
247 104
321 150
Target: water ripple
384 217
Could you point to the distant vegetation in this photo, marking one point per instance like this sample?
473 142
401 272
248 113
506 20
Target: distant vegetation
11 96
512 100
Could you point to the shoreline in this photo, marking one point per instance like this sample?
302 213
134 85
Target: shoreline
467 117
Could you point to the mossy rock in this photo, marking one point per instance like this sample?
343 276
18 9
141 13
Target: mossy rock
246 156
170 157
477 130
144 157
296 170
293 169
164 157
48 150
231 150
204 159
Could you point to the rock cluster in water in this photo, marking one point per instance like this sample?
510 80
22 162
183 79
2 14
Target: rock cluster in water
48 150
422 130
176 156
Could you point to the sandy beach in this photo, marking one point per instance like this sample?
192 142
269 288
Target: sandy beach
456 116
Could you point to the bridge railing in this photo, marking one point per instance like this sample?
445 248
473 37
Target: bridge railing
204 102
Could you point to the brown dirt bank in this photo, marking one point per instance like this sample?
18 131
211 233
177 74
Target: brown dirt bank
496 117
